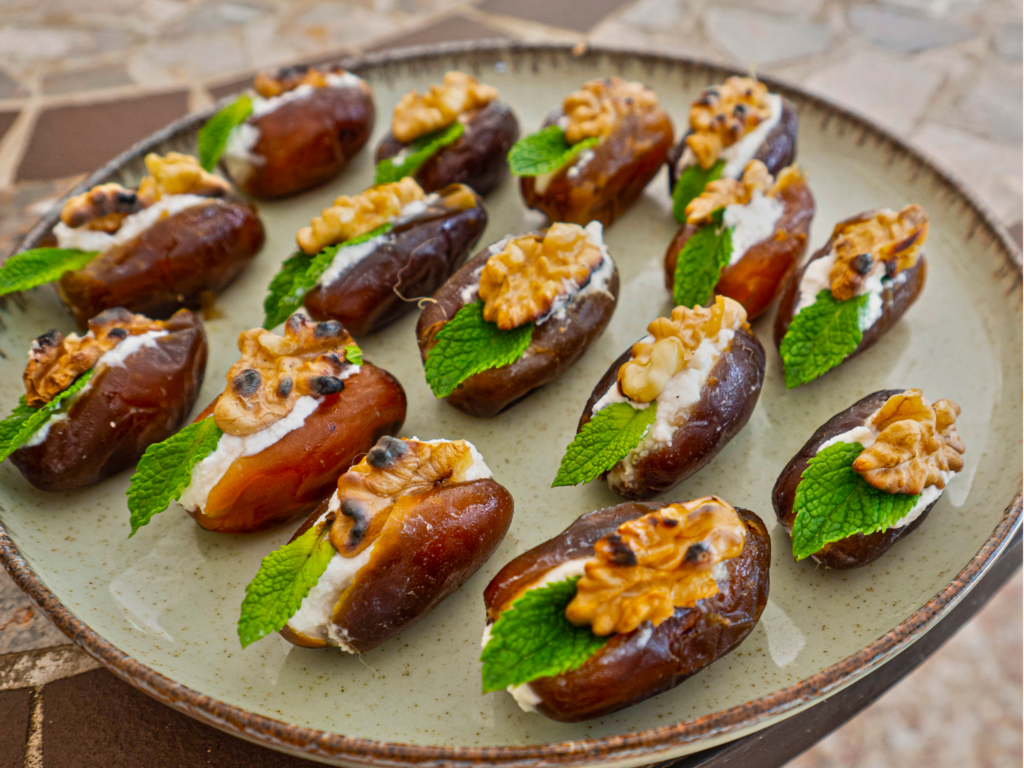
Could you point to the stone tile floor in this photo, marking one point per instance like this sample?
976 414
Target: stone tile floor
79 82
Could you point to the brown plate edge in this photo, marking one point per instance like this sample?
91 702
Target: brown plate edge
650 744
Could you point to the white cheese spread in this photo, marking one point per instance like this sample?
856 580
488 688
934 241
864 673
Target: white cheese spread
752 223
816 279
84 239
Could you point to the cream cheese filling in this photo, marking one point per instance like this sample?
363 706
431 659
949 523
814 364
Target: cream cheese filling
752 223
83 239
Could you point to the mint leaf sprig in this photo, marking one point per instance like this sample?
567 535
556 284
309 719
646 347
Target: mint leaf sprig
690 184
24 420
833 502
416 154
533 639
37 266
300 273
701 261
608 437
821 336
284 579
213 136
544 151
467 345
354 354
165 470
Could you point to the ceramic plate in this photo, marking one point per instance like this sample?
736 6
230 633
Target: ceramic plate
160 609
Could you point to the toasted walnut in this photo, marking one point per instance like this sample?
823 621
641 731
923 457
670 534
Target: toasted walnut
274 372
655 564
676 338
724 192
521 282
178 174
725 114
101 208
418 114
896 239
596 108
55 361
349 217
268 85
916 444
392 474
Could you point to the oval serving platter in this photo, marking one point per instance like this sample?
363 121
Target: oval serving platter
160 610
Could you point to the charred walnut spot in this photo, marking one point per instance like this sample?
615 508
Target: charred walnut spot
619 552
326 385
386 452
354 511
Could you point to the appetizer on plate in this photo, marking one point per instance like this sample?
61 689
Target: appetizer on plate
406 527
176 241
517 316
364 260
592 160
298 129
851 291
455 133
730 125
624 604
297 411
669 403
741 239
868 477
94 403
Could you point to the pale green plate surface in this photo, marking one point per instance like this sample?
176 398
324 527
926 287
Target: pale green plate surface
170 596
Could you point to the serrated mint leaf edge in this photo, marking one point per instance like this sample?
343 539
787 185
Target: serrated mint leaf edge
30 424
555 161
210 146
721 253
36 275
683 185
417 153
791 371
565 475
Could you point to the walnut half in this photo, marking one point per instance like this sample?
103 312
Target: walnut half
55 361
268 85
676 338
655 564
418 114
394 470
521 282
596 108
917 442
896 239
725 192
725 114
349 217
274 372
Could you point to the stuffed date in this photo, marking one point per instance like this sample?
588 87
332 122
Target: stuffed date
851 291
175 242
298 129
372 255
670 403
406 527
94 403
625 604
741 239
297 412
730 125
592 160
456 133
868 477
517 316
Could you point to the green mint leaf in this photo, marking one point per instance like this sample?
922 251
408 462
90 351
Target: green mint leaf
300 273
544 151
284 579
690 184
833 502
820 337
354 354
534 639
24 421
213 136
165 470
610 435
416 154
40 265
467 345
700 263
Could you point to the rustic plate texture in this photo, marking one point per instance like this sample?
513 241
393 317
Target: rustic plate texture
160 609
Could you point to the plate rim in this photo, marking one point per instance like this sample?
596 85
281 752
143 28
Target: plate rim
649 744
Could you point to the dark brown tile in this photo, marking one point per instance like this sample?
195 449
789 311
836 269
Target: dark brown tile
234 86
6 121
445 30
77 138
130 730
577 15
107 76
14 712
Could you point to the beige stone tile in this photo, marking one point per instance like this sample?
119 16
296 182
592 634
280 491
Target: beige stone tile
753 38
